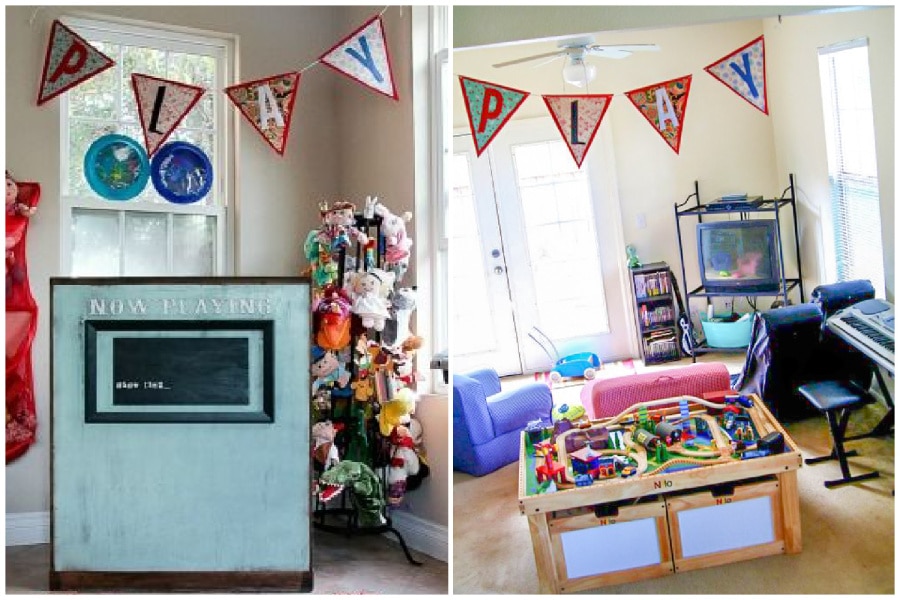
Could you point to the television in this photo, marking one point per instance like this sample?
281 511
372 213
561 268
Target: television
739 256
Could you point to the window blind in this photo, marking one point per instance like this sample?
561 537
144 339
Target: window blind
852 170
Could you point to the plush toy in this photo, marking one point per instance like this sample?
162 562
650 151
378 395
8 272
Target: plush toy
339 225
369 210
396 242
332 318
363 391
326 452
322 268
403 303
366 493
396 411
13 206
403 464
369 290
326 369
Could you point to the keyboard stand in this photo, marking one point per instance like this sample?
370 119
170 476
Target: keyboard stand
885 427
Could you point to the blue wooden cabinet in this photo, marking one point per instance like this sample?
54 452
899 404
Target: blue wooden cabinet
180 434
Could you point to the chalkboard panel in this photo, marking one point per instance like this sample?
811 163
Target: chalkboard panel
178 371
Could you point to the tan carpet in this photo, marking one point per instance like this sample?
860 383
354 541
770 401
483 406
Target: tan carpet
848 532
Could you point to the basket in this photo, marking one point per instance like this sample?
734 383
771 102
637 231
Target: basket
735 334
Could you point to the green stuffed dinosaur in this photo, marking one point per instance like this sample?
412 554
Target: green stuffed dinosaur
366 493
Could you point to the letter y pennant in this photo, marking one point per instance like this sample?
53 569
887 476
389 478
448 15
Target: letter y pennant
363 56
489 106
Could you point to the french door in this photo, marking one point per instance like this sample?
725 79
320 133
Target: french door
535 242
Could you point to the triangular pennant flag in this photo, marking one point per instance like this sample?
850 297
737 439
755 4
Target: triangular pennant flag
744 71
162 104
70 60
489 107
578 119
663 105
363 56
269 105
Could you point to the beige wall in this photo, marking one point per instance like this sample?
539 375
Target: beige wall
797 121
726 144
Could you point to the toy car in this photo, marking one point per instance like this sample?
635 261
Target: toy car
582 364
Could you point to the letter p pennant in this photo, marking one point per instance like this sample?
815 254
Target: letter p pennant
70 60
489 107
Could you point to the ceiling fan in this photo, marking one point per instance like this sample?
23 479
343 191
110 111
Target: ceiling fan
577 70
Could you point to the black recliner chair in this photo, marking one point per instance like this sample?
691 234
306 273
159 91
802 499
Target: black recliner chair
799 368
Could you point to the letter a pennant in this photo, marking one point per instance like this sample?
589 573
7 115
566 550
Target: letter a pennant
269 105
663 105
162 104
489 107
70 60
363 56
578 119
744 71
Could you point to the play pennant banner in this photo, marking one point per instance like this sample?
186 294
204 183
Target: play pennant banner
269 105
663 105
70 60
489 106
162 104
578 118
744 72
363 56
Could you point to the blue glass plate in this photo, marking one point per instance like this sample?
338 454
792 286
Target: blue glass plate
181 172
116 167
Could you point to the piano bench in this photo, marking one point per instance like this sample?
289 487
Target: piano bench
837 399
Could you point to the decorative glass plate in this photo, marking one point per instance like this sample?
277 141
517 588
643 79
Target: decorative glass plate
181 173
116 167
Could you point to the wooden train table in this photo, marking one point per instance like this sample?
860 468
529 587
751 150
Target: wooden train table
667 486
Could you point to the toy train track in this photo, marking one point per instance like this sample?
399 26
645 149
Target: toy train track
690 462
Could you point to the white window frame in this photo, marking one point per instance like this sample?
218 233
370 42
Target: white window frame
829 231
173 39
431 27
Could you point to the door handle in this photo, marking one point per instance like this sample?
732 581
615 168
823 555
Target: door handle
498 270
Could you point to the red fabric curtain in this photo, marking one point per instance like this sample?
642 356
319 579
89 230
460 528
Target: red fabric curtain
21 325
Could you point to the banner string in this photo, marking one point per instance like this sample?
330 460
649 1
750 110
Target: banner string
34 15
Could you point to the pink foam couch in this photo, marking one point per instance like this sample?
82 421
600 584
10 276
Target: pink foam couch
603 398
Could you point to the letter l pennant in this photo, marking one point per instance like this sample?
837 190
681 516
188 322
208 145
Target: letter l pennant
162 104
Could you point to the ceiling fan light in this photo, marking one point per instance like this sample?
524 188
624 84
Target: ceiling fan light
579 73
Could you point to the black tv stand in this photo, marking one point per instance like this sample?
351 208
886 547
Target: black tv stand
771 206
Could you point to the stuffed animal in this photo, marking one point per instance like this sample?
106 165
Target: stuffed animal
326 369
404 463
13 206
369 290
332 318
396 242
403 303
322 268
326 452
396 411
363 389
339 225
369 210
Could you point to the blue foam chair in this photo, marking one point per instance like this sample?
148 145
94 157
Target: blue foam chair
487 421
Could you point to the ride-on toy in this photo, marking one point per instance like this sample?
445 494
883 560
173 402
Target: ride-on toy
580 364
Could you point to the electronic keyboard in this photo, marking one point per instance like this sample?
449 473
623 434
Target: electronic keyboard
868 326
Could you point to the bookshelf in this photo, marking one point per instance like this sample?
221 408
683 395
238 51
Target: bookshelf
655 312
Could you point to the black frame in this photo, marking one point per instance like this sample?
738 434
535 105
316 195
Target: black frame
92 415
737 287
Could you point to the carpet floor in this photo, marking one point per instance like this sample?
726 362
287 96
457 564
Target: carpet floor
848 532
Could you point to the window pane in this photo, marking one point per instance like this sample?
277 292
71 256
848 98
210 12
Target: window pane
145 244
146 61
96 98
194 248
95 243
562 244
